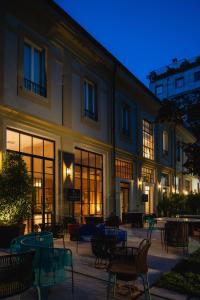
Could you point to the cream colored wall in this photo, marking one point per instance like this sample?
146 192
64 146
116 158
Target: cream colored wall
49 108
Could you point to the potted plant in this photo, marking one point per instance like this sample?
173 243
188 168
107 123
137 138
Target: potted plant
15 197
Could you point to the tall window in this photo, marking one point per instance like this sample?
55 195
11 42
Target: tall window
90 100
148 139
159 90
39 156
197 76
125 120
34 69
179 82
165 142
124 169
89 179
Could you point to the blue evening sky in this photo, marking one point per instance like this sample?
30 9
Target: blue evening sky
143 34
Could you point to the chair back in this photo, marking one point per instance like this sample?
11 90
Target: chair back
177 234
50 264
16 273
44 238
141 256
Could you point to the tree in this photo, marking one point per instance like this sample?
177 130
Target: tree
192 163
15 190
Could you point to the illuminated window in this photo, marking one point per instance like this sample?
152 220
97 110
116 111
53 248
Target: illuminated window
164 179
165 142
147 175
90 100
125 120
187 186
124 169
39 156
148 139
89 179
34 69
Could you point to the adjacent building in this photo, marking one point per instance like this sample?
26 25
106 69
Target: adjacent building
82 122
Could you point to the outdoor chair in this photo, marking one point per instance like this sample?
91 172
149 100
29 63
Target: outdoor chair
103 247
51 265
44 239
176 234
130 264
85 233
16 273
56 228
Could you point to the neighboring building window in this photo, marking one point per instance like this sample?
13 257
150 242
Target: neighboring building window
90 100
89 179
148 139
187 185
165 142
164 179
34 69
147 175
197 76
159 90
124 169
178 152
179 82
125 120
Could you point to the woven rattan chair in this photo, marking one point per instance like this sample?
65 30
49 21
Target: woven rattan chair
176 234
129 266
16 273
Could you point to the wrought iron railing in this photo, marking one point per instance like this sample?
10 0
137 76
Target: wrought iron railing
35 87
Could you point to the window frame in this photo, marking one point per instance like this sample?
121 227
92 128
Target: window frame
91 115
165 143
32 83
196 76
179 79
157 88
125 131
150 141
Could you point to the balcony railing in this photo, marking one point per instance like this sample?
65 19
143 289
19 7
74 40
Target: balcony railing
35 87
90 114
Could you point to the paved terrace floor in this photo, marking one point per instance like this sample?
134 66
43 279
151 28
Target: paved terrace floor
91 283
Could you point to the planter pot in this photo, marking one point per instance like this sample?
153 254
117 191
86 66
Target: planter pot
9 232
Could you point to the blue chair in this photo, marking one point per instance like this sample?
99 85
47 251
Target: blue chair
44 238
85 233
51 265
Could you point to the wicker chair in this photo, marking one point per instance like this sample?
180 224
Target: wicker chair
129 265
176 234
16 273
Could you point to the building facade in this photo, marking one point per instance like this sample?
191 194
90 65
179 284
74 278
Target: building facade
82 122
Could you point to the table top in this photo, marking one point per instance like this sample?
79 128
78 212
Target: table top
177 219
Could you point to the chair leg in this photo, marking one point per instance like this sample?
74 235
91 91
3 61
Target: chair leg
115 284
72 279
108 286
39 293
146 286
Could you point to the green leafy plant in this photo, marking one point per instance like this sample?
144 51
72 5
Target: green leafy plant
15 190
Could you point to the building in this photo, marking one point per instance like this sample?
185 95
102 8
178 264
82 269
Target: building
80 119
180 81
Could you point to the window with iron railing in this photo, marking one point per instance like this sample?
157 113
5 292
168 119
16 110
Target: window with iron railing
90 100
34 69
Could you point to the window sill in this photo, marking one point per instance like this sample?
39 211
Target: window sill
36 98
91 122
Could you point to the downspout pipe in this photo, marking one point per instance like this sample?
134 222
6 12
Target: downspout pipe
113 136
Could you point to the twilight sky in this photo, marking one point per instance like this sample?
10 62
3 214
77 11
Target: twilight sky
143 34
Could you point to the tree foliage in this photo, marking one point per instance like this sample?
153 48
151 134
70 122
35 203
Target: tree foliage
15 190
